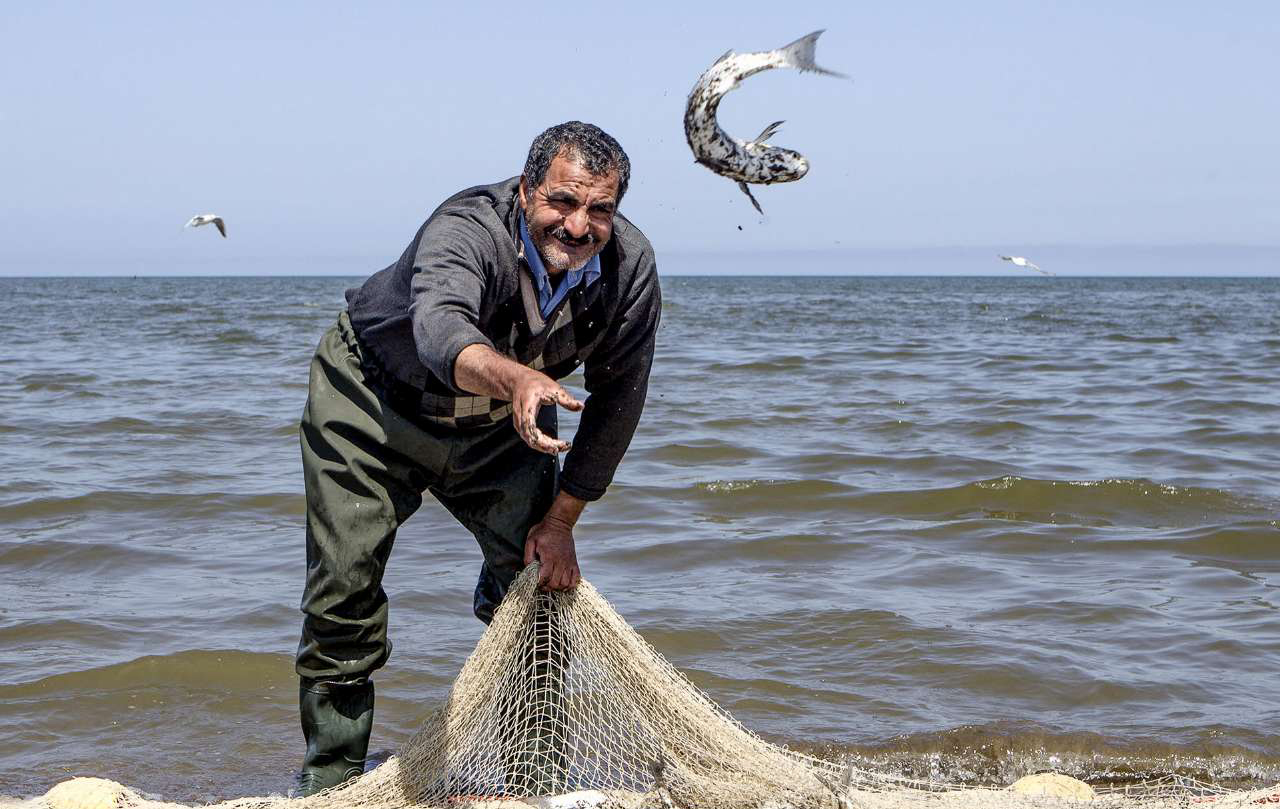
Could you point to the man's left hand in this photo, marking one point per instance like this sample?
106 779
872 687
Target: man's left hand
551 543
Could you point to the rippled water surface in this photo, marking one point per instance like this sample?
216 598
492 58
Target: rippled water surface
965 528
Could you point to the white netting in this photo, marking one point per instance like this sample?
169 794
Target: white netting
562 698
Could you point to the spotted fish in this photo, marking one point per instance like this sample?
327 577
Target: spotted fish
752 161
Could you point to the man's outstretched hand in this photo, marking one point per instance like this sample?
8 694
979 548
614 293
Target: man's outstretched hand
532 392
481 370
550 542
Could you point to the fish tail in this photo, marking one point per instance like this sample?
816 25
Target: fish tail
799 54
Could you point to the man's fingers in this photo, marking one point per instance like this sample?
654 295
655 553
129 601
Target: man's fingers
557 572
535 438
559 445
544 443
546 572
529 411
566 401
522 422
525 414
555 578
562 397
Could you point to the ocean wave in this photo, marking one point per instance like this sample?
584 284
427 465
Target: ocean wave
236 671
66 558
1111 501
235 336
1117 337
203 505
1237 544
704 452
999 753
55 382
779 365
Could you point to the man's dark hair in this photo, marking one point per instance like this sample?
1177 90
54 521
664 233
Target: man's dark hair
589 145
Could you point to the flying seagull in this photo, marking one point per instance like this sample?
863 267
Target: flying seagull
205 219
1019 261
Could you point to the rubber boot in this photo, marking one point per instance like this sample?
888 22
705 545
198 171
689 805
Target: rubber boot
336 721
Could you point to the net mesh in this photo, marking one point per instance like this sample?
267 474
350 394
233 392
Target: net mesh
563 706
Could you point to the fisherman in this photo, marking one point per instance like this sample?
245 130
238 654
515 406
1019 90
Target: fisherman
441 377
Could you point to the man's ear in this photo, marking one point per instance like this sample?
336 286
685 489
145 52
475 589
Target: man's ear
524 201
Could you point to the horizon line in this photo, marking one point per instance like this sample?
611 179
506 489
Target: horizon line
673 274
171 252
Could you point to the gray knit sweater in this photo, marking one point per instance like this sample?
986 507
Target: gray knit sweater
459 283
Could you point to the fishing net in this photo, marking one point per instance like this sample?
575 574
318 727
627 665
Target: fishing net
563 706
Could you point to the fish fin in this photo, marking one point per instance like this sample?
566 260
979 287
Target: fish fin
799 54
750 196
768 132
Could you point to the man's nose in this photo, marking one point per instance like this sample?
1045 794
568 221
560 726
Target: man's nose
577 223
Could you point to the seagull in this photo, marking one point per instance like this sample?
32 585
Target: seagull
205 219
1019 261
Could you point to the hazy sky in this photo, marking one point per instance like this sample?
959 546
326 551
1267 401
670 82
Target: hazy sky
326 129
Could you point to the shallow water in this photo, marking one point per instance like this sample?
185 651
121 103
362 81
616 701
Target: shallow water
964 528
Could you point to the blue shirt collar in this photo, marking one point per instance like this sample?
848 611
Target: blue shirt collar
548 298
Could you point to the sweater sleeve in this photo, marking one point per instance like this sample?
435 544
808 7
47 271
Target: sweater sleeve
617 379
450 271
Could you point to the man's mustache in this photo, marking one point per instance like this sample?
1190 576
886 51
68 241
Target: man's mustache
580 241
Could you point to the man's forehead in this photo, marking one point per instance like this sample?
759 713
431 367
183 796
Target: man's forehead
566 173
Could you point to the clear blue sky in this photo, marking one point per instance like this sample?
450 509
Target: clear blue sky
329 129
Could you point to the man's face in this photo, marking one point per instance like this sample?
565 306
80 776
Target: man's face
570 216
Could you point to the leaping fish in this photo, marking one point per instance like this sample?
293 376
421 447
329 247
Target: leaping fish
751 161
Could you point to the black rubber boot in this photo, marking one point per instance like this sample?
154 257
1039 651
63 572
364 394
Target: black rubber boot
336 721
